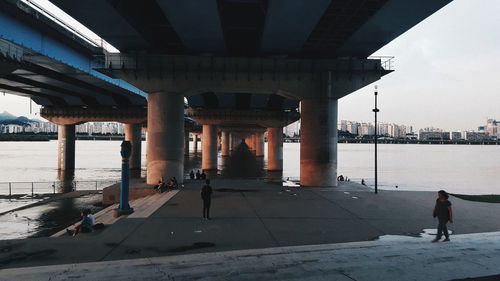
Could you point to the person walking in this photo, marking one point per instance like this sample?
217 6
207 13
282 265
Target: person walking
206 196
442 210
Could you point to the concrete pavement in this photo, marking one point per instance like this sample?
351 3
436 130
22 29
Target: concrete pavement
254 215
406 258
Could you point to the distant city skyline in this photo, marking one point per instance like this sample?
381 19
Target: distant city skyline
445 75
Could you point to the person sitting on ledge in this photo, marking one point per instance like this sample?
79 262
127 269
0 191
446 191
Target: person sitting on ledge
175 184
198 175
160 186
203 176
191 175
84 226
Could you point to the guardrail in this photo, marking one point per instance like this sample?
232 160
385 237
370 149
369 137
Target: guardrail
10 50
32 188
387 62
96 41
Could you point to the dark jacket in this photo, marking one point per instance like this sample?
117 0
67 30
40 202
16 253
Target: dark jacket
441 210
206 192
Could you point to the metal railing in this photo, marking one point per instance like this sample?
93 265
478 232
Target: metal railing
10 50
387 62
98 42
32 188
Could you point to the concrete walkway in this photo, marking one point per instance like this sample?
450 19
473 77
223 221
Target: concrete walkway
254 215
407 258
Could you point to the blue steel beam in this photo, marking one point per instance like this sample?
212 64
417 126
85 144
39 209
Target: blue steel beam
28 37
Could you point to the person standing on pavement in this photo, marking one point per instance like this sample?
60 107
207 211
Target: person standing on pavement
443 212
206 196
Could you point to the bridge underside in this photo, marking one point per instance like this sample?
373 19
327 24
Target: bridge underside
292 28
246 64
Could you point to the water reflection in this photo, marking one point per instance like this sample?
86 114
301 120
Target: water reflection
242 163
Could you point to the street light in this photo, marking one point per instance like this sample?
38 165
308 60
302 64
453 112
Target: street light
376 110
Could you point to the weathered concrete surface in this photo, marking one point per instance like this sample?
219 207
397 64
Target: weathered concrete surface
138 189
254 214
66 147
209 148
275 149
469 255
318 139
165 145
133 133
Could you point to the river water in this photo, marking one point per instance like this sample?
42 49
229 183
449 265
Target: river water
455 168
470 169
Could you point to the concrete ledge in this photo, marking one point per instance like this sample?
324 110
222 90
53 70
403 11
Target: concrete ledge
138 189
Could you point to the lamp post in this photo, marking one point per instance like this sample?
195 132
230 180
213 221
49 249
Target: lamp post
124 208
376 110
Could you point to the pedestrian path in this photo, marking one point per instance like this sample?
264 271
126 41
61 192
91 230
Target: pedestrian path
255 215
407 258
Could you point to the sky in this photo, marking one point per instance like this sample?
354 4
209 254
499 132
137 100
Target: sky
447 73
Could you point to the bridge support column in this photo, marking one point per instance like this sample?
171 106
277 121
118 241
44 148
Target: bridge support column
186 142
195 143
318 142
225 138
259 145
231 141
209 148
66 155
219 142
250 142
165 146
134 136
275 149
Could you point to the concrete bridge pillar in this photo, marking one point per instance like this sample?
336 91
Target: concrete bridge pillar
259 144
66 151
186 142
318 142
231 141
165 147
225 138
219 142
250 142
209 148
133 133
195 143
275 149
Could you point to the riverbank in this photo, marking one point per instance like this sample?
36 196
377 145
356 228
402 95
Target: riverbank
489 198
250 214
18 137
42 216
48 137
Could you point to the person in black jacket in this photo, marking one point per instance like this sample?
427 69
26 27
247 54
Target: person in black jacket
443 212
206 196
